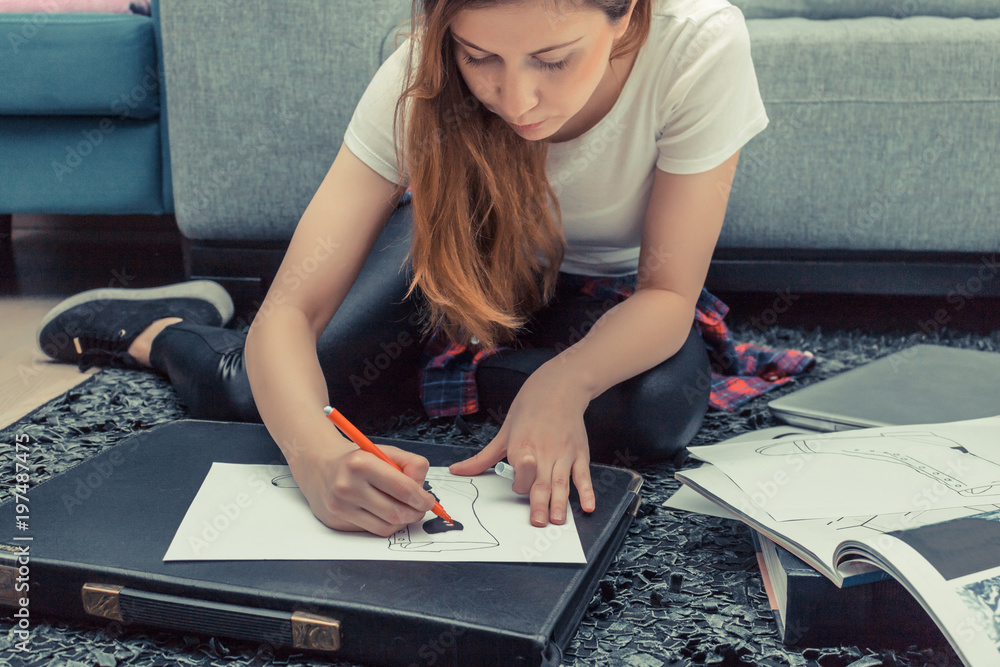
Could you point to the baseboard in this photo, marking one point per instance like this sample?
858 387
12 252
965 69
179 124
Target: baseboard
246 270
856 272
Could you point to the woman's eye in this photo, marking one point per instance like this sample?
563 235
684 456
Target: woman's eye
475 62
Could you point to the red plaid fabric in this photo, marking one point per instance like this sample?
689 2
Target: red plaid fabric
740 372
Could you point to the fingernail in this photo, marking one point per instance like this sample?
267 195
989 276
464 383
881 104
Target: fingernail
558 517
538 519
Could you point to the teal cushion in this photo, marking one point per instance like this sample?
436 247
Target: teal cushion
78 64
80 165
851 9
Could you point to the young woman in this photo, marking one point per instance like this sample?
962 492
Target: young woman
570 163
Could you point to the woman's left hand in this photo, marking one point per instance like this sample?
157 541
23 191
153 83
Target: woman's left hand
544 439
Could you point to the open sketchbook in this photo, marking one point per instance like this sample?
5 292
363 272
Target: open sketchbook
913 483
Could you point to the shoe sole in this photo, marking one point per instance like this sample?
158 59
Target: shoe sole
206 290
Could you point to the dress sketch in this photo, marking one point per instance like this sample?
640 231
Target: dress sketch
459 496
925 453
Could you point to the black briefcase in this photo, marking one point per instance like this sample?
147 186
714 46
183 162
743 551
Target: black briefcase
94 539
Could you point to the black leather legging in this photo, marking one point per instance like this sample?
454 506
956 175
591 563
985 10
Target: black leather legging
370 355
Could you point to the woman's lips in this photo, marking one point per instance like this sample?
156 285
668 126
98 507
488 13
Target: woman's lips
525 128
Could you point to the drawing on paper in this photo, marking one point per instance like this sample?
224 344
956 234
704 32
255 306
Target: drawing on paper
458 496
886 523
284 482
974 481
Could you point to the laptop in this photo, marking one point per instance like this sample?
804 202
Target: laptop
923 384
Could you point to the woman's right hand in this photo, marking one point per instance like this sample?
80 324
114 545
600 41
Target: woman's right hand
352 490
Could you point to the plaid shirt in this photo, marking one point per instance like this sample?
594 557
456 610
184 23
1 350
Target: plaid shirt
740 371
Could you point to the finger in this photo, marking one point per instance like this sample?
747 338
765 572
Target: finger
413 465
583 484
541 492
398 498
363 520
560 491
352 519
525 471
486 458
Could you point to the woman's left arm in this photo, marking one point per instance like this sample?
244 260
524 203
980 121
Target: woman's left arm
679 234
543 435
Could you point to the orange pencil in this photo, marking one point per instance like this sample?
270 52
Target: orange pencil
359 439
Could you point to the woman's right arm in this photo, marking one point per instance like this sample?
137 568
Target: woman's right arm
346 487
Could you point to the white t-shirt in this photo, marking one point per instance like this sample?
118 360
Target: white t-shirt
690 102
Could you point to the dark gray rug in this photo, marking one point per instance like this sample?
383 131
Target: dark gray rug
684 588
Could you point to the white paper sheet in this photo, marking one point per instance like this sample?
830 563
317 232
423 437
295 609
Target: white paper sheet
866 471
688 500
257 512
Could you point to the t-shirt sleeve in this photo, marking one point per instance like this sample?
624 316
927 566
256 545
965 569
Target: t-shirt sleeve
712 105
369 134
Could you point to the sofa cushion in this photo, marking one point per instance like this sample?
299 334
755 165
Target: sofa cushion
78 64
882 137
80 165
849 9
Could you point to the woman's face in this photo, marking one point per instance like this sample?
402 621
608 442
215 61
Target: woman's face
506 56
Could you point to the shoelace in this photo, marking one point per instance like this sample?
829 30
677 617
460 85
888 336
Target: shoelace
102 351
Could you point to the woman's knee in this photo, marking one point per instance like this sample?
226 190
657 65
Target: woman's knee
655 414
649 417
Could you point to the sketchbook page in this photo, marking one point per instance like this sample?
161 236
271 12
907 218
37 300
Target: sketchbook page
689 500
814 540
867 471
953 569
257 512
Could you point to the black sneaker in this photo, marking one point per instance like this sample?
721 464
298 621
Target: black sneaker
96 327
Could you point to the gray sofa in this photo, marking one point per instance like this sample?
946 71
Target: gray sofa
877 174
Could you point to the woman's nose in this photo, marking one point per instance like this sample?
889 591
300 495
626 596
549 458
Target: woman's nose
517 94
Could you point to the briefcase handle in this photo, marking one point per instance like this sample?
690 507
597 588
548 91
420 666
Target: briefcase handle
299 629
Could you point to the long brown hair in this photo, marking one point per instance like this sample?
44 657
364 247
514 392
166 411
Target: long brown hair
486 249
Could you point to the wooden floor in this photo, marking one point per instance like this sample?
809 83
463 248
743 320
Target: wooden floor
51 257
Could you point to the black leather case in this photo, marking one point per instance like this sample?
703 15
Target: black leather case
99 532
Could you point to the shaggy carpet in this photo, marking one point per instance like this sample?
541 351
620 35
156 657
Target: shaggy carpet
684 589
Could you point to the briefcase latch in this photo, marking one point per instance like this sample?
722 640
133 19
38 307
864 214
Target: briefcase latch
102 600
315 632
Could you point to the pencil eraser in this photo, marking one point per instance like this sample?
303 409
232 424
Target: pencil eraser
327 410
